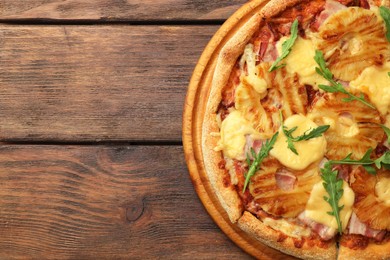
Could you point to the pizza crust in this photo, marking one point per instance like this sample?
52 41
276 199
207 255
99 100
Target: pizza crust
227 196
372 251
268 236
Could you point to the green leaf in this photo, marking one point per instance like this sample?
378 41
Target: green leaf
328 88
286 47
258 159
309 134
248 160
366 157
365 160
386 158
370 169
334 188
322 70
253 152
385 13
335 86
387 131
384 161
347 100
290 145
312 133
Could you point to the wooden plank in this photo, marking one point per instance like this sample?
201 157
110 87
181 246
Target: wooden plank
96 83
102 202
109 10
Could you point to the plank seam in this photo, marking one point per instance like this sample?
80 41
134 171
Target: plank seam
110 22
97 143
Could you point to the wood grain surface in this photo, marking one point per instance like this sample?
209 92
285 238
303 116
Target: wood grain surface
112 10
96 83
99 202
103 77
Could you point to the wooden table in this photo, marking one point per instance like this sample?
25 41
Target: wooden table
91 158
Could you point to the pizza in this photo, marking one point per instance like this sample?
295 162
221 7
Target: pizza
296 130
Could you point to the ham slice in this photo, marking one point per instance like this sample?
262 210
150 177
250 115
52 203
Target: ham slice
325 232
330 8
343 171
364 4
357 227
265 45
256 209
268 52
251 143
285 180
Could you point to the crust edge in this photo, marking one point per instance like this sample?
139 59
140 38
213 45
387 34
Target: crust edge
268 236
227 196
372 251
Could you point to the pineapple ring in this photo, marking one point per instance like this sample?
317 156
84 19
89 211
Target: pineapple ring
279 202
352 40
370 207
353 127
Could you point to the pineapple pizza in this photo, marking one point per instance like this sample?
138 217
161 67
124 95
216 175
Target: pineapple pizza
296 135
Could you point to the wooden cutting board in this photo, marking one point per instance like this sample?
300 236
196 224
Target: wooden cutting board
194 109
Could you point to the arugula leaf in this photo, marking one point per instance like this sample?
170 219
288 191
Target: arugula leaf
385 13
333 185
328 88
335 86
258 159
387 131
309 134
370 169
384 161
366 161
334 188
289 141
286 47
312 133
347 160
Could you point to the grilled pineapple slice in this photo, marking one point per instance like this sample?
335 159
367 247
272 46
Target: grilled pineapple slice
272 198
351 40
353 126
247 101
372 198
284 92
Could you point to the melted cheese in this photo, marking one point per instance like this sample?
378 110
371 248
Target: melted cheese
287 228
317 207
309 151
233 135
301 61
375 82
382 190
253 79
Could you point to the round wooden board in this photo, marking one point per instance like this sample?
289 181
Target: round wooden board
194 109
